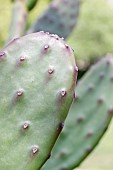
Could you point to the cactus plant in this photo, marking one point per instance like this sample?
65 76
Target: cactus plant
60 18
54 19
37 88
36 96
19 19
88 118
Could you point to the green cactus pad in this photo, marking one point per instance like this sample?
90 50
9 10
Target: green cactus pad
38 74
60 18
88 118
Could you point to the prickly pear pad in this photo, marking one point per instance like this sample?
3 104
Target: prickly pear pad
37 81
88 118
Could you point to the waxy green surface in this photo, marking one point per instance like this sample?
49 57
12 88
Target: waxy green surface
37 81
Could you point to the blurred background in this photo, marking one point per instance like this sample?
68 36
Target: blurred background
91 39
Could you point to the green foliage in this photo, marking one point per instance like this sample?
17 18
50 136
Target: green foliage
31 4
36 94
88 118
93 36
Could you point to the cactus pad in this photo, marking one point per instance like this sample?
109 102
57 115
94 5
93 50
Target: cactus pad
60 18
88 118
38 74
